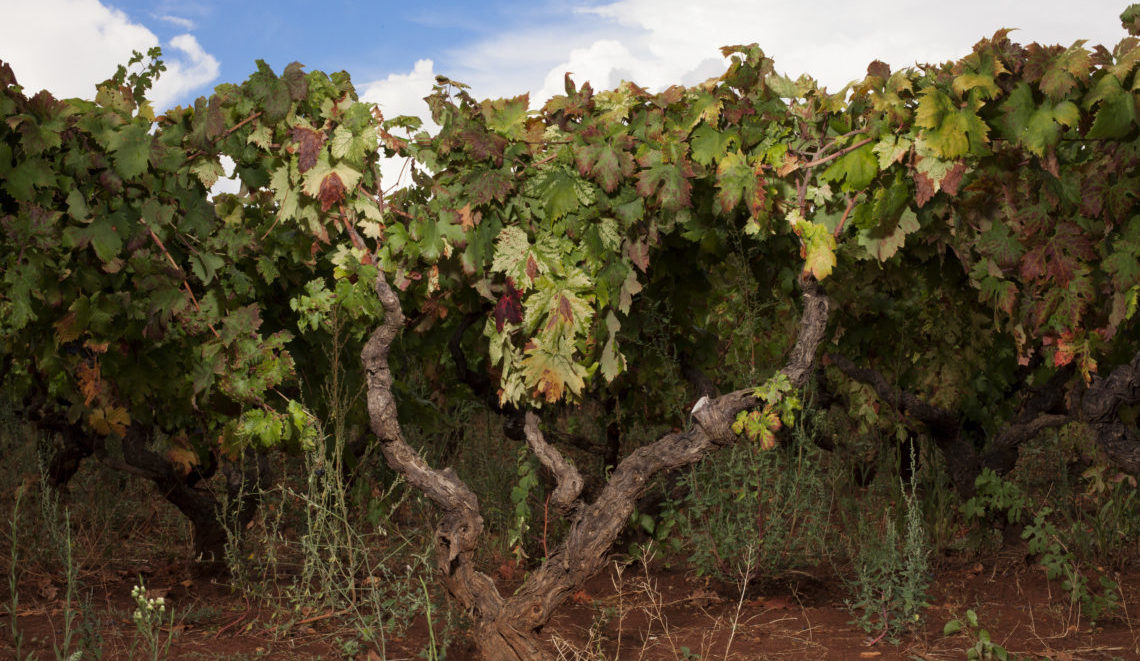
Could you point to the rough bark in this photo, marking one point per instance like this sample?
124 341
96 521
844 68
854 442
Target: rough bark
67 455
1100 406
506 628
568 479
209 519
1047 407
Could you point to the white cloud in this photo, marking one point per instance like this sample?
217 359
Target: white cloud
69 46
402 94
228 182
185 74
656 43
834 40
184 23
600 63
516 61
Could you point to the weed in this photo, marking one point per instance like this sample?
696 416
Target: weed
892 575
997 497
14 576
520 497
432 652
983 646
56 521
90 636
1113 525
773 501
1060 563
149 619
69 610
745 578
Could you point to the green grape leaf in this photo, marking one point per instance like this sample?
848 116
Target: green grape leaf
130 149
270 92
612 361
205 265
605 163
892 149
818 248
507 116
668 182
208 171
736 180
1066 71
883 247
22 180
353 147
710 145
1116 114
560 191
855 169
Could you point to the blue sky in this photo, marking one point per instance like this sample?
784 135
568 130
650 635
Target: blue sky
394 50
372 39
506 47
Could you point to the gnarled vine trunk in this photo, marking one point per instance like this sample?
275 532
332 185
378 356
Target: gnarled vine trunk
210 519
1098 407
506 627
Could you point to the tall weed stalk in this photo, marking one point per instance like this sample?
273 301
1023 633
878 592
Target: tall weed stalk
758 511
892 571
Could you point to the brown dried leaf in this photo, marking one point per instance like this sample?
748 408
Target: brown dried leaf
309 143
923 188
67 329
639 254
467 219
531 268
184 459
953 179
332 191
565 312
90 382
879 69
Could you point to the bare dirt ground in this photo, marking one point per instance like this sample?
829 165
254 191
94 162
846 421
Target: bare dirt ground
665 613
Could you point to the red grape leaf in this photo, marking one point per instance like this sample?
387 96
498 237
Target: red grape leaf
509 308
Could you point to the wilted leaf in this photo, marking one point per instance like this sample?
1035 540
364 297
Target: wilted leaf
309 143
109 420
332 191
509 307
184 459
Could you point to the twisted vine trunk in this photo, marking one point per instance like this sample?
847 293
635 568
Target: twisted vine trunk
211 519
506 628
1098 407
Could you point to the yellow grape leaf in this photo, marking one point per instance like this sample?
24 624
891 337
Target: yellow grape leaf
184 459
90 381
109 420
550 375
